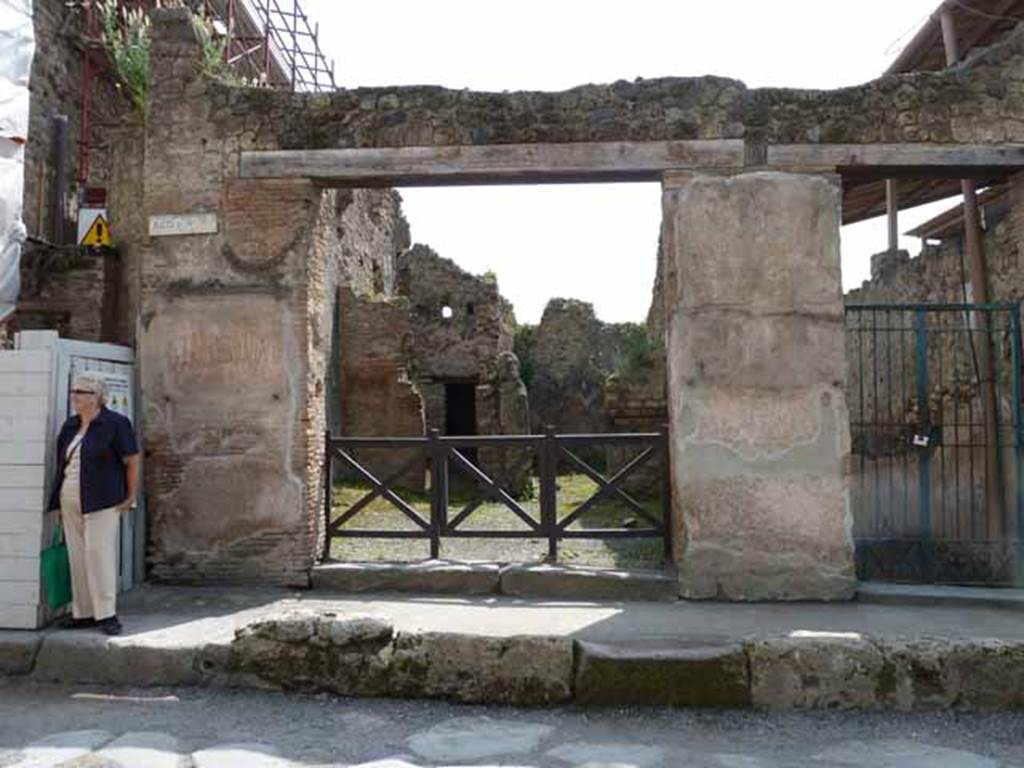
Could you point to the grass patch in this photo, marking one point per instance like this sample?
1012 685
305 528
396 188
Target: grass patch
573 490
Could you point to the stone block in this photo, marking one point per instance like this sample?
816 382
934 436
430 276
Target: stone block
575 583
787 352
85 657
662 674
815 671
518 670
431 576
755 241
358 656
933 673
765 538
18 651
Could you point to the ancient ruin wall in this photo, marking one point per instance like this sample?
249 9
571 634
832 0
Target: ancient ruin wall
233 406
980 101
92 297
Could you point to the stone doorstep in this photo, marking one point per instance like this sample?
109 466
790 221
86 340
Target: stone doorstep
516 580
801 670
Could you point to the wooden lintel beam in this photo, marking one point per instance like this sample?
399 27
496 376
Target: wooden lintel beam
625 161
496 163
917 158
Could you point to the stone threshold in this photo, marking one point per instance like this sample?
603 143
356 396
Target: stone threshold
447 577
884 593
573 582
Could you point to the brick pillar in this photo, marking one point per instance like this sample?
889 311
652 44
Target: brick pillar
232 341
759 426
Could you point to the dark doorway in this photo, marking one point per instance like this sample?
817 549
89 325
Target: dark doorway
460 408
460 419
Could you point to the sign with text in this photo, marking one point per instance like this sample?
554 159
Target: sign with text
183 224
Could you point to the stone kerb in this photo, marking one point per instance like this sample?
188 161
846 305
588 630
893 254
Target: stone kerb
756 387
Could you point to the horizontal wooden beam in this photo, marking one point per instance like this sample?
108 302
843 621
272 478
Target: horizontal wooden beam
624 161
494 163
923 159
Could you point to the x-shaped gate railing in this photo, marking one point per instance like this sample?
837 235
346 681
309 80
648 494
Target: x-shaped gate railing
445 455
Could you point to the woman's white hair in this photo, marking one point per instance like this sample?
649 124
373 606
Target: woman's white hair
94 383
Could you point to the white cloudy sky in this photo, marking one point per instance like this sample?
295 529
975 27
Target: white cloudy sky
598 242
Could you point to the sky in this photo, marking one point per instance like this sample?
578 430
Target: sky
598 242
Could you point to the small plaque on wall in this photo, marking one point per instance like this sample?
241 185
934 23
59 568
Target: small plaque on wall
183 224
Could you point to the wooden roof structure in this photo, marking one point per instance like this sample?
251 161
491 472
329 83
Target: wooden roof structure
948 224
978 23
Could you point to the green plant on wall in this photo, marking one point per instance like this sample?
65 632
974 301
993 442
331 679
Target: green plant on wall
638 350
126 38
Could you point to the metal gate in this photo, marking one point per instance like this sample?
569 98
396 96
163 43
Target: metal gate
934 394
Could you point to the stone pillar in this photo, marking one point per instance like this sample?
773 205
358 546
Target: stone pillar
759 426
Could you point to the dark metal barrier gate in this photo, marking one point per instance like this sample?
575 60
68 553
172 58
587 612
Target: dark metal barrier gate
936 442
468 459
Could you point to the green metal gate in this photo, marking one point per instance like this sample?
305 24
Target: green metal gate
937 441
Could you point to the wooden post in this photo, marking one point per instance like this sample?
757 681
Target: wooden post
666 489
980 289
548 491
438 491
892 213
325 554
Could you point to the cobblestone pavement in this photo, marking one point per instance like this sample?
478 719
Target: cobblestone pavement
82 727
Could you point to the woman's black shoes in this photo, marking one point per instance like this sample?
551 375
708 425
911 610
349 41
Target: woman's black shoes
109 626
73 623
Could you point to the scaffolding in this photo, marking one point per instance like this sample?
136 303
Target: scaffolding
270 43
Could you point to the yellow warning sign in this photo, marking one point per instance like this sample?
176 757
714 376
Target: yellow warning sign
98 233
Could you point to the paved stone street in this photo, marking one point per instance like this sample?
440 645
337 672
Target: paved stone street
82 727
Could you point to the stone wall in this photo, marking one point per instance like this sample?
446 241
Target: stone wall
99 305
979 101
463 335
71 290
378 396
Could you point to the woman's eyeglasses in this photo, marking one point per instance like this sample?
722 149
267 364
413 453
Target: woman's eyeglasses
82 392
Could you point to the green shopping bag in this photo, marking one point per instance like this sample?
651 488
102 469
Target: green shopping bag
57 570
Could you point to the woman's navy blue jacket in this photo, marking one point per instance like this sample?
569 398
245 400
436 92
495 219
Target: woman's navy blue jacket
107 442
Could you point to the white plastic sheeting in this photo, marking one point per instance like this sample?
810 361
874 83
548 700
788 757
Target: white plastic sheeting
17 45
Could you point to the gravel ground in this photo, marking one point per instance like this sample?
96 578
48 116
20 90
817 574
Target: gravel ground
325 730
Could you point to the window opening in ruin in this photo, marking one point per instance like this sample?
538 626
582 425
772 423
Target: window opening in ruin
470 308
447 312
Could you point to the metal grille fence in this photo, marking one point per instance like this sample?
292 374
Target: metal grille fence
936 441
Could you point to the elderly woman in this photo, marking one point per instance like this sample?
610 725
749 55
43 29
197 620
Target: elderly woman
96 481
